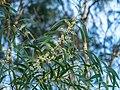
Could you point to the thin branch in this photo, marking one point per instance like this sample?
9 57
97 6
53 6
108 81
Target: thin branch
86 15
107 32
21 8
85 47
115 53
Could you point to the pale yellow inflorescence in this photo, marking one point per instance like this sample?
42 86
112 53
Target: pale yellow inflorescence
58 50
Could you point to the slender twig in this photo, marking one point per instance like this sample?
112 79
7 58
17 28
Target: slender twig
86 14
107 32
20 14
115 53
90 7
85 47
85 42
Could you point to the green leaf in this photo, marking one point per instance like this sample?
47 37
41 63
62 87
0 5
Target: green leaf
30 21
21 70
1 78
92 59
58 72
11 8
45 41
95 61
33 46
23 66
81 87
55 27
35 77
82 33
44 86
113 72
108 54
85 29
58 24
105 85
22 26
35 87
113 75
80 57
99 62
95 76
50 33
84 80
59 63
65 70
52 73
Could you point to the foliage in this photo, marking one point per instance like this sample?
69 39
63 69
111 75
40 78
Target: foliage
52 60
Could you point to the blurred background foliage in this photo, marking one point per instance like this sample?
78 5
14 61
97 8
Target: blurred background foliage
25 34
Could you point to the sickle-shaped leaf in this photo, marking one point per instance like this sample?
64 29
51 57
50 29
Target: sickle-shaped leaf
1 78
54 28
58 24
59 63
82 34
95 76
105 85
29 20
65 70
33 46
8 6
99 62
85 29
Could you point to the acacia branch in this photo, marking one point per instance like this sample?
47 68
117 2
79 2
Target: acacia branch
85 47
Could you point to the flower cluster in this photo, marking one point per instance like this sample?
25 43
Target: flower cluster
41 59
59 51
66 37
